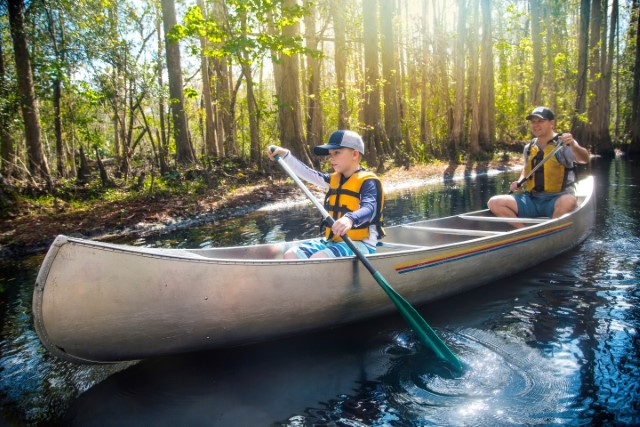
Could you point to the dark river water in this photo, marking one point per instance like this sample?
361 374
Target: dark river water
554 345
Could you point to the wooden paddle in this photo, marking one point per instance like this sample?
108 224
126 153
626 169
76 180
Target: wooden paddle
422 329
547 157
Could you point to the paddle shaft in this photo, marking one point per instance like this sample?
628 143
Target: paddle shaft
539 165
422 329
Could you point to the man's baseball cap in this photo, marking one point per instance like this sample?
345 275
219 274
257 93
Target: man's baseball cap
341 139
542 113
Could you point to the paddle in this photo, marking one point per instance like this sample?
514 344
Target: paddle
422 329
547 157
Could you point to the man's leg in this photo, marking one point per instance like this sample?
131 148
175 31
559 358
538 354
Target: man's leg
504 206
564 204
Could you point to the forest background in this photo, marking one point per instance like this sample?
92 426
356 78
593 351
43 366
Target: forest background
105 101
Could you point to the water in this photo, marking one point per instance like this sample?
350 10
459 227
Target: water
554 345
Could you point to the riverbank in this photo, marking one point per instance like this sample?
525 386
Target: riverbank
32 230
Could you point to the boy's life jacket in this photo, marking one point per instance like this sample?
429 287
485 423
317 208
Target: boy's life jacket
345 197
552 176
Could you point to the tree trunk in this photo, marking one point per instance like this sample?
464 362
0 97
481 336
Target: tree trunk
210 137
604 146
337 12
634 148
552 16
374 133
225 123
578 127
315 132
597 135
288 92
184 150
163 148
536 37
257 154
457 127
474 81
425 123
390 75
33 132
487 110
59 52
7 144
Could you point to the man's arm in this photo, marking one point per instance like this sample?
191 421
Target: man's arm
581 154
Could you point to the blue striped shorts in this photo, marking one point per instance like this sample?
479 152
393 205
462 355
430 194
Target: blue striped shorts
331 249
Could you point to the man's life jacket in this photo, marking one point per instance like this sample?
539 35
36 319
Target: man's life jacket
345 197
551 176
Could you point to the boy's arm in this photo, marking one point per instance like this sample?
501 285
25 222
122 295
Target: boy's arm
368 204
300 169
305 172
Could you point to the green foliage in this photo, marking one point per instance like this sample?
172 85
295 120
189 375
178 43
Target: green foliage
108 57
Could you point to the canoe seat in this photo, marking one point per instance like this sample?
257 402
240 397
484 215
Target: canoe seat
504 219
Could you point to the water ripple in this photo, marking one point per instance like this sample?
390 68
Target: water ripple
505 382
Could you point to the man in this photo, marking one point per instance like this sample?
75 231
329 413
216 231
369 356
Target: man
355 198
550 191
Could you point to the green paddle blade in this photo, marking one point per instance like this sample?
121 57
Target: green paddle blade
425 333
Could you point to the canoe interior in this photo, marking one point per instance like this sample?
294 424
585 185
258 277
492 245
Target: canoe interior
414 236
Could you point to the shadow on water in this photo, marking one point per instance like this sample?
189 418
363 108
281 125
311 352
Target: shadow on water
553 345
348 375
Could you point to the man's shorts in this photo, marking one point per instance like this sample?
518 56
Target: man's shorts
536 205
331 249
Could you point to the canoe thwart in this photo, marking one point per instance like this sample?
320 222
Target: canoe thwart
458 231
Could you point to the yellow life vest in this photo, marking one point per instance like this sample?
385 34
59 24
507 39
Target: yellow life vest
551 176
345 198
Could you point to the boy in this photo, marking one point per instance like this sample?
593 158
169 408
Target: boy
355 198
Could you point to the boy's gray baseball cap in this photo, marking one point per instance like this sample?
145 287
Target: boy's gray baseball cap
341 139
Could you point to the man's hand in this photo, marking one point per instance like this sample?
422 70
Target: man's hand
567 139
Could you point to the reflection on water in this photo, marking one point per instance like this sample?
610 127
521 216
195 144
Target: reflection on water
554 345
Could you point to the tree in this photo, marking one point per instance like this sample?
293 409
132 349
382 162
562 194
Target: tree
340 52
314 102
425 125
390 76
374 133
475 80
634 148
7 144
38 165
598 126
56 30
287 80
210 135
487 110
184 150
457 123
536 38
578 123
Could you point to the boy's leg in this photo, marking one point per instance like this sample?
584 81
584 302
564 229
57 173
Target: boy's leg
305 250
341 249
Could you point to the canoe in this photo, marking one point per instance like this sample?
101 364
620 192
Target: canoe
97 302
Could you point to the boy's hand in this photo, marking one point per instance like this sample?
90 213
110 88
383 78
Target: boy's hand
273 151
341 226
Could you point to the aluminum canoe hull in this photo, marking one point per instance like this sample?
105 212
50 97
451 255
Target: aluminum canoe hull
97 302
